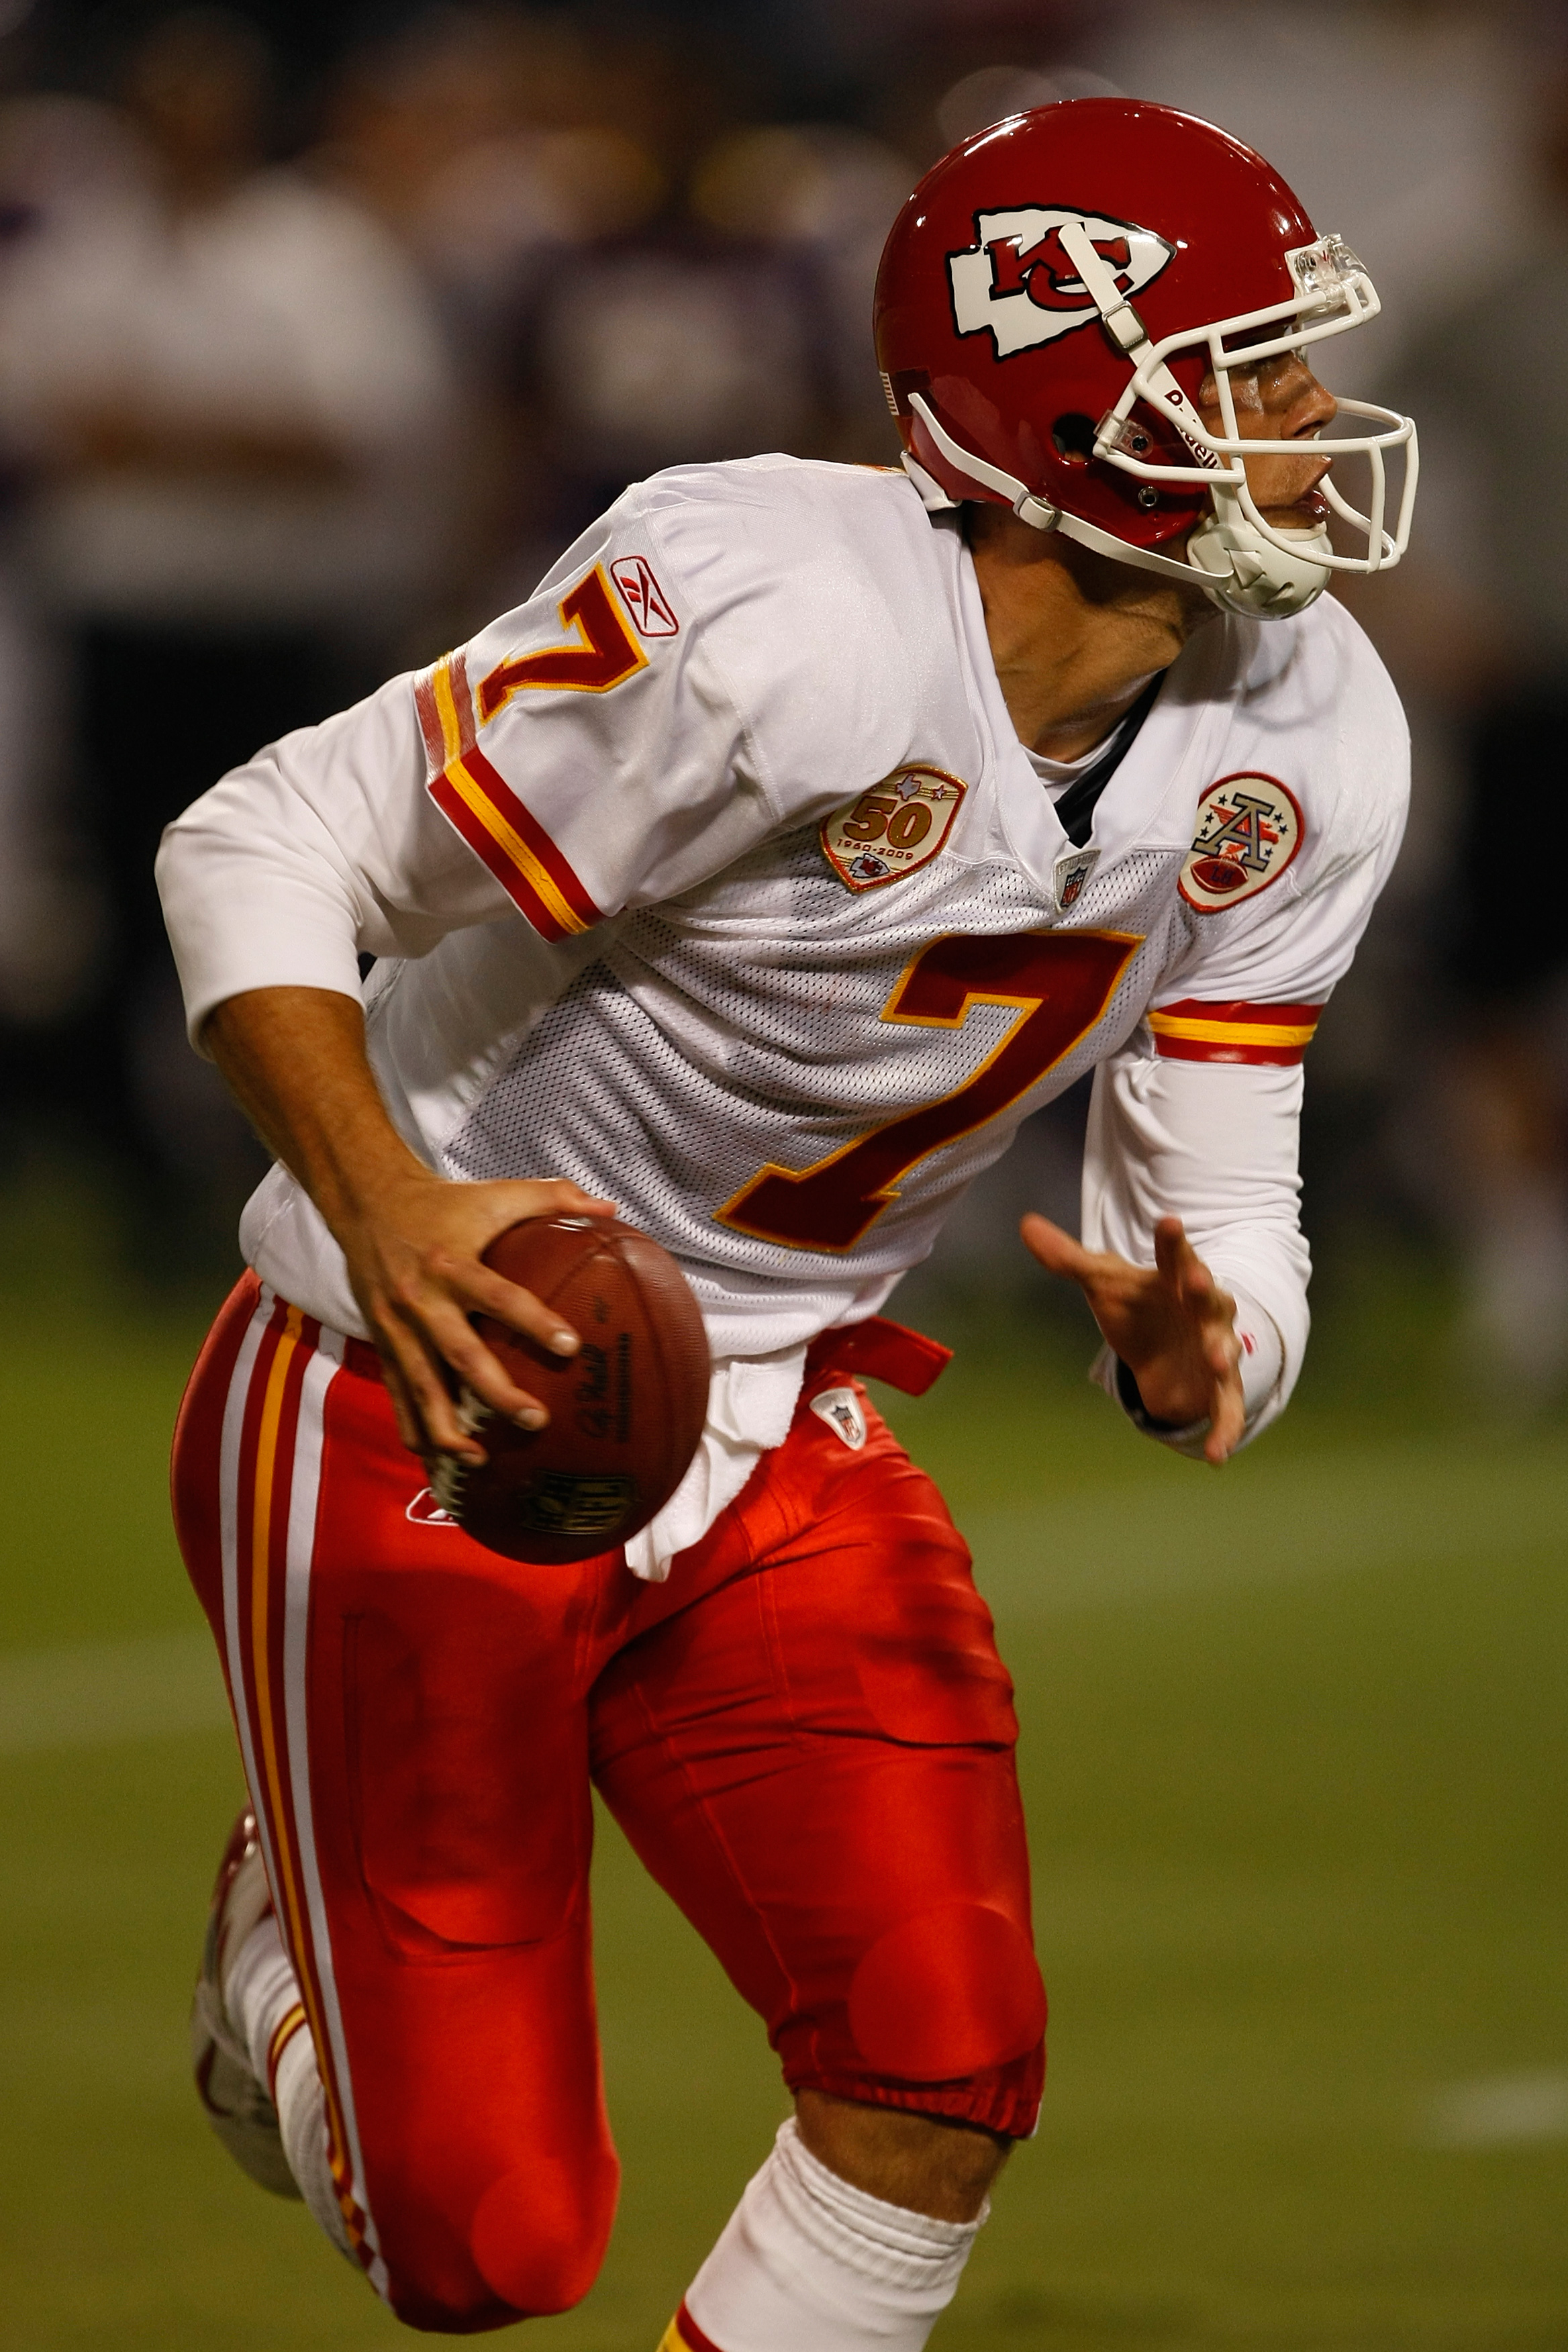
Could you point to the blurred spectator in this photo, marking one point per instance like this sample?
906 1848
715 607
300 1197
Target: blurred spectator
233 401
65 165
674 344
51 915
474 134
642 282
1486 632
638 280
828 193
731 320
478 135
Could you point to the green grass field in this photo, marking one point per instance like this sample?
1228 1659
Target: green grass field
1294 1753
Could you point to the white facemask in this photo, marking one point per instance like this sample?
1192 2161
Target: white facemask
1245 564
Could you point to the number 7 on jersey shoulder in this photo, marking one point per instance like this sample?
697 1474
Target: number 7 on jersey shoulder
1059 985
600 653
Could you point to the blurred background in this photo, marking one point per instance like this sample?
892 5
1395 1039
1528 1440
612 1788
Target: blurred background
322 331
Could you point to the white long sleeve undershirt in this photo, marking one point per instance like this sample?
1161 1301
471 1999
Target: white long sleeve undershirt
1217 1144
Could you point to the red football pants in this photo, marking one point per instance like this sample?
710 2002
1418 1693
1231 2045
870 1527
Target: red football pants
807 1735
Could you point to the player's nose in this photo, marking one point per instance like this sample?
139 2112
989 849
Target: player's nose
1312 407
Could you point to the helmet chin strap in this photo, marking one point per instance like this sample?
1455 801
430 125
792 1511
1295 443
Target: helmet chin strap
1236 568
1250 574
1038 513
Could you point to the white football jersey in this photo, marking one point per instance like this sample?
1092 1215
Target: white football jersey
716 877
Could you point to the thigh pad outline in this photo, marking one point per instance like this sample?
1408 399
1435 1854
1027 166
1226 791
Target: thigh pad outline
470 1813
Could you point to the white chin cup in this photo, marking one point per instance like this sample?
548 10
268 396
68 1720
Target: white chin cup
1249 574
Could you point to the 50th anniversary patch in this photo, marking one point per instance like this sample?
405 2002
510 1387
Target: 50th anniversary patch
898 826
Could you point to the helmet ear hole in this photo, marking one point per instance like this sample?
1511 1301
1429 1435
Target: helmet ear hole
1073 436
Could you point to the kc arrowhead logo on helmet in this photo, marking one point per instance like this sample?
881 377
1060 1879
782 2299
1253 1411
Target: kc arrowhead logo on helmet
1018 281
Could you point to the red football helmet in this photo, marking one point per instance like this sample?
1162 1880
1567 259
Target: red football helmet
1050 300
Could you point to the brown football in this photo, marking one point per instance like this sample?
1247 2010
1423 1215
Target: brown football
626 1412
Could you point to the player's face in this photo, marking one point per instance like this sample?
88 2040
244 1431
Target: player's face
1279 400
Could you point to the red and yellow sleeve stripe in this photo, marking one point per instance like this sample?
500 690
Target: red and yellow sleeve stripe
683 2334
1194 1032
476 799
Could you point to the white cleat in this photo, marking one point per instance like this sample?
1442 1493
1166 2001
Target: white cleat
235 2100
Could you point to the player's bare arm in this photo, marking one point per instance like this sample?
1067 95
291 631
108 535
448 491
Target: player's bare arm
295 1059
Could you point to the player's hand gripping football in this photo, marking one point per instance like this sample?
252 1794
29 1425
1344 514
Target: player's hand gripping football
414 1262
295 1059
1171 1324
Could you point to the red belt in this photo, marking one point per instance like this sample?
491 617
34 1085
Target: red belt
884 1350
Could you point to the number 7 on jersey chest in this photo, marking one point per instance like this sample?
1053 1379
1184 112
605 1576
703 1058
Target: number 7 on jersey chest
1059 982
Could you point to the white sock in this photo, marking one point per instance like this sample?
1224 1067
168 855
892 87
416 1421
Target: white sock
261 1995
807 2262
303 2115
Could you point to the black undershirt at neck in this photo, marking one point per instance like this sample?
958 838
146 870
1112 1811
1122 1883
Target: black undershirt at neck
1075 807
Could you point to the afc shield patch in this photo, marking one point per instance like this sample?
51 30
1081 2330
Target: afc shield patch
899 826
1249 829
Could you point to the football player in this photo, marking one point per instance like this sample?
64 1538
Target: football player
810 827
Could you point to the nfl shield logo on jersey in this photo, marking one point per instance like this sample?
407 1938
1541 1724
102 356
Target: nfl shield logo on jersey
899 826
840 1409
1249 829
1071 875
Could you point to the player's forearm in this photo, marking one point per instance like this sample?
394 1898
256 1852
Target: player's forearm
295 1060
